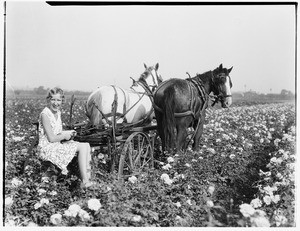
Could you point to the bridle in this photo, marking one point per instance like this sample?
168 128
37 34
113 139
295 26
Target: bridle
142 82
220 97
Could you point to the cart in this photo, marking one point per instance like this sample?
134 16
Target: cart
129 146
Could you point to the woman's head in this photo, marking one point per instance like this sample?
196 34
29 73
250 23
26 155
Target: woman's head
55 98
54 91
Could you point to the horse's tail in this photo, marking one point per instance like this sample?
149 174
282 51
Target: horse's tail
92 108
169 118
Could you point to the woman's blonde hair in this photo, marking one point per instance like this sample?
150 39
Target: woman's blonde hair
54 91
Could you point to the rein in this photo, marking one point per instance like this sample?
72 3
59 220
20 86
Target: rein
120 116
147 92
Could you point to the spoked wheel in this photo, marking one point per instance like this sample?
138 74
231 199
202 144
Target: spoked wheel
136 155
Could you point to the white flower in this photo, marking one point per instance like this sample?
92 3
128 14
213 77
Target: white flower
259 220
10 223
164 176
273 160
17 138
41 191
101 156
256 203
94 204
218 140
67 213
211 150
132 179
226 137
16 182
136 218
45 179
84 216
247 210
280 219
37 205
248 145
209 203
168 181
276 198
8 201
279 176
166 167
276 141
56 219
267 199
178 204
189 202
73 210
178 217
53 193
44 201
211 189
32 224
170 159
269 190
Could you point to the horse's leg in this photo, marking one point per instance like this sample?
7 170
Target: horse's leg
160 130
181 127
198 132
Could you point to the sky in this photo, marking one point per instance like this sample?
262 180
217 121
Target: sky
85 47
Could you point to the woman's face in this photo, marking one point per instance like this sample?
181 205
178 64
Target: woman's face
55 103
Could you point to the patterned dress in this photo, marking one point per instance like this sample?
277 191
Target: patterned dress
60 154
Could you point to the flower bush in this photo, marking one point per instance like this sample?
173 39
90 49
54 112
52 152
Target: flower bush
243 175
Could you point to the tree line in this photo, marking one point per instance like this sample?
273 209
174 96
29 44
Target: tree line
41 90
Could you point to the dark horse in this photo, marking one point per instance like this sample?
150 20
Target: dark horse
180 104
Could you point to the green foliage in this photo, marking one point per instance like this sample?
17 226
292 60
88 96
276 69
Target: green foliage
245 151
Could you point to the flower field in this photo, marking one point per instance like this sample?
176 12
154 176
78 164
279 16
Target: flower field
244 176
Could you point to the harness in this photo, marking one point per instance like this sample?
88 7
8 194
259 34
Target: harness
202 93
125 110
114 108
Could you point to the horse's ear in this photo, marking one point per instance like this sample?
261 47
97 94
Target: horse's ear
229 70
145 66
221 66
156 66
133 80
160 79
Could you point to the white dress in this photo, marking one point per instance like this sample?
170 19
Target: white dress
60 154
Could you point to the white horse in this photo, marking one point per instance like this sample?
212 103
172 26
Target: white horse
128 106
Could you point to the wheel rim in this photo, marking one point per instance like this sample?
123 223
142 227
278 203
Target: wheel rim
137 155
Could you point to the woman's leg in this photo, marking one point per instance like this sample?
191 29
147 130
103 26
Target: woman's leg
88 160
82 162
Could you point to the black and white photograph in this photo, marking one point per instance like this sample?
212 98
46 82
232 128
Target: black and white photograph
149 114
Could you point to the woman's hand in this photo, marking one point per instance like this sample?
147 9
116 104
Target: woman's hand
70 134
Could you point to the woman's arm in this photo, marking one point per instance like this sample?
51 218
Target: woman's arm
65 135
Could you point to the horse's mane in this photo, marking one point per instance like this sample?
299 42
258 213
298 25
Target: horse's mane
144 74
204 76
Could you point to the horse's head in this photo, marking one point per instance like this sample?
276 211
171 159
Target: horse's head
221 85
150 78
